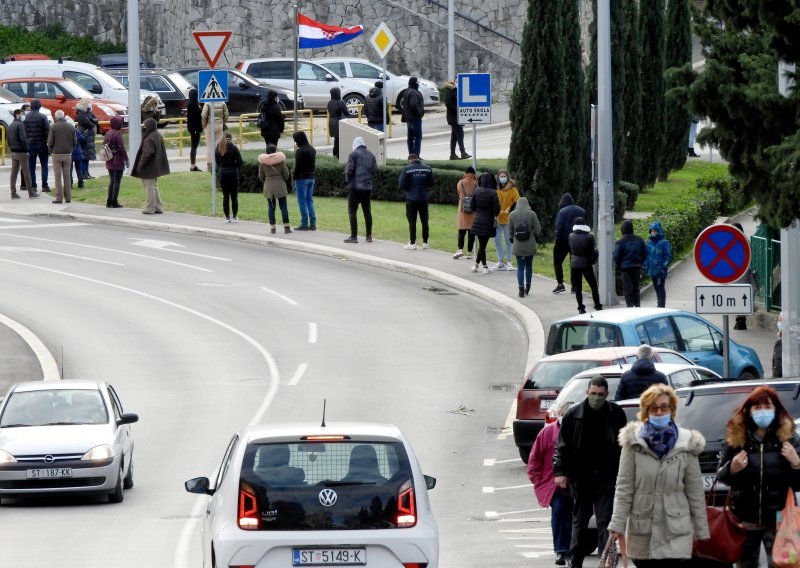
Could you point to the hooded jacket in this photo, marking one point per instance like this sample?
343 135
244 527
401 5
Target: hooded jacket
361 167
451 102
661 502
271 118
565 219
194 122
508 194
413 104
630 251
415 179
37 127
540 464
524 214
274 175
372 106
87 125
151 160
659 253
638 378
116 142
486 206
337 111
305 157
581 247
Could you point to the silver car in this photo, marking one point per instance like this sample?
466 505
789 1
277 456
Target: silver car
65 437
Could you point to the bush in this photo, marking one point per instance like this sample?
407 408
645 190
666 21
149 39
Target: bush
620 201
631 191
732 200
54 41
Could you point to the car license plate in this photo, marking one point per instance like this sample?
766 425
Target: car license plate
49 473
329 557
545 404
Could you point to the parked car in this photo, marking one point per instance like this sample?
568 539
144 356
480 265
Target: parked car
684 332
544 381
394 85
120 60
158 81
56 93
246 94
9 102
308 495
65 436
314 82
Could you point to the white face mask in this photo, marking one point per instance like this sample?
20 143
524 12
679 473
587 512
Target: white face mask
503 179
780 325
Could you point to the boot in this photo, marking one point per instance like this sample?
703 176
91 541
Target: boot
272 229
287 229
522 291
527 288
464 155
453 156
14 194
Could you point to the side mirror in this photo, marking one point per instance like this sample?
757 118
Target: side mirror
96 90
60 97
329 77
721 347
198 485
127 418
243 85
430 482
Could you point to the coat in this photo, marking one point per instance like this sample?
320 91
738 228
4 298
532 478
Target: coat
87 124
274 175
486 207
508 196
151 160
582 247
524 214
194 122
451 102
116 142
661 502
337 111
638 378
659 253
17 138
272 120
372 106
37 126
630 251
565 219
62 138
220 115
540 464
360 169
466 186
305 157
415 179
413 104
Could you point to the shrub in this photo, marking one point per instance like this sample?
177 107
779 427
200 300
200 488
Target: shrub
728 188
631 191
54 41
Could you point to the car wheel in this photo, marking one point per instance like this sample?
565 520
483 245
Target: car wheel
353 99
118 495
127 483
524 453
747 375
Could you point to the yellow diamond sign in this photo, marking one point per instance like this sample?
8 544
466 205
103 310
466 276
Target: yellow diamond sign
382 40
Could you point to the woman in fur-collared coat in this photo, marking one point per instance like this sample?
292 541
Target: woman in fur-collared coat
659 497
759 462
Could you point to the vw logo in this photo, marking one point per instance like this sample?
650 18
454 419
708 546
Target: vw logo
49 459
327 497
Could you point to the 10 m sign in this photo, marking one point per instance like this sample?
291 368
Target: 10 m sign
730 299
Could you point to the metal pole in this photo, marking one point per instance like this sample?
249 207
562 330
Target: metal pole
475 147
605 152
383 98
213 143
294 68
134 104
726 349
451 40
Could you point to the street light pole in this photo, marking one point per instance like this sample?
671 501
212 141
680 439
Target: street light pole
134 109
451 40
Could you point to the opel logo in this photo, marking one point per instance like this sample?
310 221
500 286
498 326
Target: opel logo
49 459
327 497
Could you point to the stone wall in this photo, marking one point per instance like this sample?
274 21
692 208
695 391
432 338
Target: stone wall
263 28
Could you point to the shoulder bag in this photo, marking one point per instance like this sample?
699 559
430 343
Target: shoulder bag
727 532
466 203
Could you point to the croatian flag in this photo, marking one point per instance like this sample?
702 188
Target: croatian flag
314 34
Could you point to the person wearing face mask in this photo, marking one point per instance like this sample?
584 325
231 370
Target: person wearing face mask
508 194
659 472
586 461
656 265
777 350
540 472
759 463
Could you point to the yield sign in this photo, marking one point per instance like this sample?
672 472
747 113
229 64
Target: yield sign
722 253
212 44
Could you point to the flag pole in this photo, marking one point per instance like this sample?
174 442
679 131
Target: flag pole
296 24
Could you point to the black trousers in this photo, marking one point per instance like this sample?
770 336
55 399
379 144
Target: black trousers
578 274
560 252
480 257
456 137
412 209
335 146
229 183
114 180
593 495
354 198
470 239
630 287
194 137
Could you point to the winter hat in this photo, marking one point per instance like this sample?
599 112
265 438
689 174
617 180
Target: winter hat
358 142
627 227
379 84
580 221
413 82
469 170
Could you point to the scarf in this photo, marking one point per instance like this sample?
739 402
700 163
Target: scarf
660 441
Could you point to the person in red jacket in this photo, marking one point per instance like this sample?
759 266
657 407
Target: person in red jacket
540 472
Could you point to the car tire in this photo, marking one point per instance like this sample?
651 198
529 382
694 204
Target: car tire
353 99
747 375
524 453
127 483
118 495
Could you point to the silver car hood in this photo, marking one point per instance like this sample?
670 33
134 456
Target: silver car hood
33 440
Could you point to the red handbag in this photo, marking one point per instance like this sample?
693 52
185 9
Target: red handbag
727 533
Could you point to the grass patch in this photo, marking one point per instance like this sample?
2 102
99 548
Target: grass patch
676 187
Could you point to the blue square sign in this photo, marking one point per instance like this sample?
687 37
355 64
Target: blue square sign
474 98
212 86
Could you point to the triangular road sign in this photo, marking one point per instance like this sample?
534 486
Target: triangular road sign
212 44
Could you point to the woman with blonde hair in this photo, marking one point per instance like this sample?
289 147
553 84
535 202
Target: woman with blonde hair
659 504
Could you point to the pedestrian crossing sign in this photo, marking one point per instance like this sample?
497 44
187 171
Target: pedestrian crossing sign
212 86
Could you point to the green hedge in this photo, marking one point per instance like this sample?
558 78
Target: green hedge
729 189
54 41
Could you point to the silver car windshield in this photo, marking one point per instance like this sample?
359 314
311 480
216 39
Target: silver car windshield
54 407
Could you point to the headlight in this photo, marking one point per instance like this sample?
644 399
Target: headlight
106 109
5 457
103 452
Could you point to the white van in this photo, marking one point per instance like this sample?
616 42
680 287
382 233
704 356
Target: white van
91 77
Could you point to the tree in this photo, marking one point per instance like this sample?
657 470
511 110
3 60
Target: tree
677 118
632 94
538 155
651 34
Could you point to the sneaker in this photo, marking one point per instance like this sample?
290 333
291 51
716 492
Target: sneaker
468 255
410 246
227 220
312 228
558 289
301 228
459 253
271 229
351 240
510 266
581 310
499 266
474 268
235 220
287 230
369 238
34 195
425 246
15 195
486 270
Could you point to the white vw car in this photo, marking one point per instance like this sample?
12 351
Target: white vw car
349 494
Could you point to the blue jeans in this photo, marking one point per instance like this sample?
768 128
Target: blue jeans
414 139
38 150
659 284
524 270
271 210
305 200
561 521
501 237
376 125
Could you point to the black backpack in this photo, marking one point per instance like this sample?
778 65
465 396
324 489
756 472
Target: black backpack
522 232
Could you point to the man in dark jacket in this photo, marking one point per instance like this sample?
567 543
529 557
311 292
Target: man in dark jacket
415 179
271 120
305 157
37 127
456 130
583 254
151 163
413 111
641 375
361 167
337 111
586 461
565 220
629 255
61 140
18 143
373 107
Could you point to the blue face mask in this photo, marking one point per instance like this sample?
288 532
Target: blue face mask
763 418
659 422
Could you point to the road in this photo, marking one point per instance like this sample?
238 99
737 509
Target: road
200 336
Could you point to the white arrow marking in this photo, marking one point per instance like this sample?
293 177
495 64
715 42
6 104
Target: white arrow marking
163 245
468 97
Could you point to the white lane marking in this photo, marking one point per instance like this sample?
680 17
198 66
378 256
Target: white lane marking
298 374
490 514
6 220
523 511
106 249
162 245
286 299
494 489
30 249
182 547
43 226
46 360
542 530
507 428
492 461
312 332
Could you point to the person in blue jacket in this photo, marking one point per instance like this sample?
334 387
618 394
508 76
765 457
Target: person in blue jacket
659 257
630 253
416 179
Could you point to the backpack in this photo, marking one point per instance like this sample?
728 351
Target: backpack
522 232
108 152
